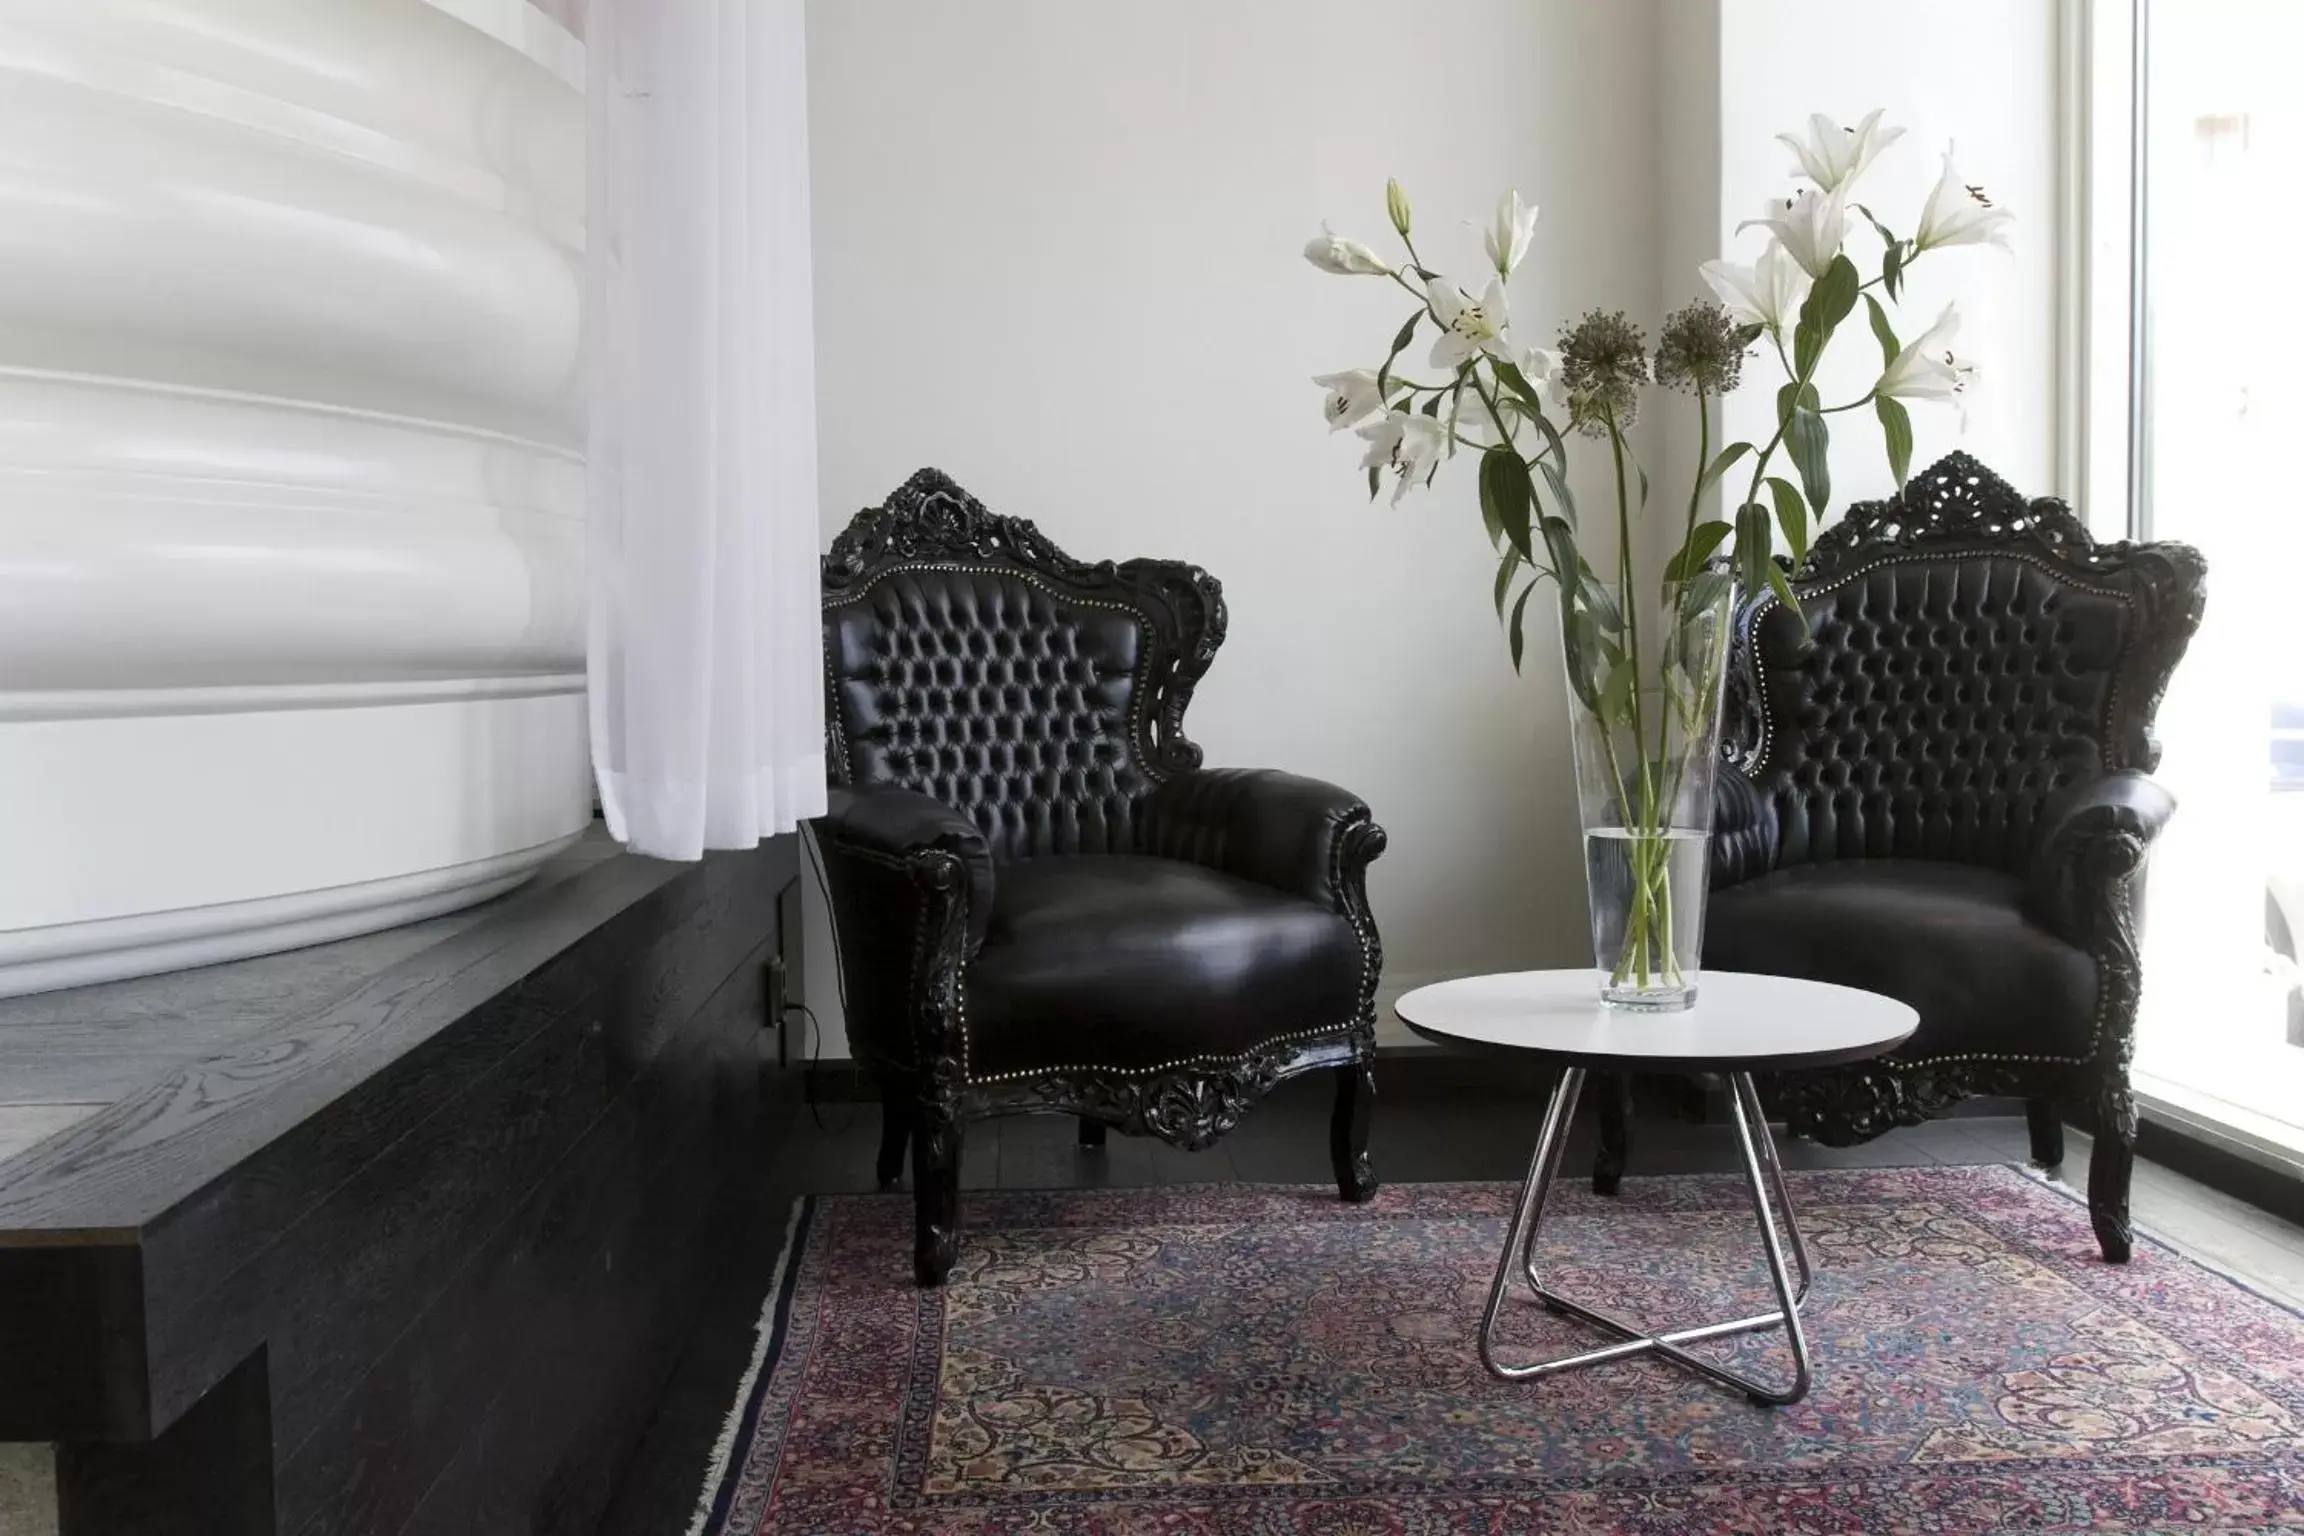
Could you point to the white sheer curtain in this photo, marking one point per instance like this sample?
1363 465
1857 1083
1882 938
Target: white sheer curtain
705 652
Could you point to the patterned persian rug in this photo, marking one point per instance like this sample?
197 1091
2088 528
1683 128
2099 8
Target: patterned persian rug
1242 1359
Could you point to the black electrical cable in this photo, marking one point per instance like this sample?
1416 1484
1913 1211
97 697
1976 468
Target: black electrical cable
810 1078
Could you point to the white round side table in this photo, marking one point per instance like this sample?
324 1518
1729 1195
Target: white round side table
1739 1025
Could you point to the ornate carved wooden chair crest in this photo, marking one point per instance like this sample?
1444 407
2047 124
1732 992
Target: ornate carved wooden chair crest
1043 901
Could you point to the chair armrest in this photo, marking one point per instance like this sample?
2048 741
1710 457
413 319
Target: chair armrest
902 828
910 886
1294 834
1744 828
2092 838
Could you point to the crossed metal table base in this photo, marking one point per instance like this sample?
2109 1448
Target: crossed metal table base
1763 1173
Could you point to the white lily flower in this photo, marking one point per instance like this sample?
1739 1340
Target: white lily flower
1811 224
1959 213
1469 325
1769 292
1509 232
1352 395
1409 445
1540 366
1832 156
1927 369
1331 252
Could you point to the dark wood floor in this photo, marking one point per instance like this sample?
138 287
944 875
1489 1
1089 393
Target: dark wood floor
1432 1126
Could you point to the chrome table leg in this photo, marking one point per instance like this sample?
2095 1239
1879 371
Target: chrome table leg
1764 1176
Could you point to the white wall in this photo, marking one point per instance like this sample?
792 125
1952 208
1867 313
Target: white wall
1687 190
1978 75
1057 255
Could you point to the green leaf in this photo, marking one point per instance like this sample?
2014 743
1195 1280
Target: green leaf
1517 382
1506 499
1431 405
1706 538
1783 585
1791 516
1616 692
1374 481
1870 218
1810 442
1896 423
1562 497
1518 629
1598 599
1567 564
1708 587
1892 273
1827 305
1792 396
1506 569
1722 462
1580 643
1834 295
1752 544
1553 462
1400 340
1884 332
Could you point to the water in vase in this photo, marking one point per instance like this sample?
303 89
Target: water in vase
1647 892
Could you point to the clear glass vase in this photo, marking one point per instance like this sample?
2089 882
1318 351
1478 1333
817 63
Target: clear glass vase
1644 719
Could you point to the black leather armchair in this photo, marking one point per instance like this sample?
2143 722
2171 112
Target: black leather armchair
1043 902
1937 789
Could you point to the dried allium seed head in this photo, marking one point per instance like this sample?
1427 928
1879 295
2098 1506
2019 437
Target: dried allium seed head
1603 363
1701 349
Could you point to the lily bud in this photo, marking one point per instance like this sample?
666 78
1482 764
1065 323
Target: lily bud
1396 204
1331 252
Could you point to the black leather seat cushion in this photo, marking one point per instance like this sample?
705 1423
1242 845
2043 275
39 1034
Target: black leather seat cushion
1949 939
1129 963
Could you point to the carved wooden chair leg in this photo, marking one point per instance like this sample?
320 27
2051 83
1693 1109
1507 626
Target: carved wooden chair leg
1348 1131
1091 1133
936 1141
896 1117
2110 1167
1614 1103
2047 1130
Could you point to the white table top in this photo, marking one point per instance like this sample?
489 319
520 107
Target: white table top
1740 1023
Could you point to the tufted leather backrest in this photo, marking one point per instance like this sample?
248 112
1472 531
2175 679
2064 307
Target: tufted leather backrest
1928 708
997 693
968 658
1959 657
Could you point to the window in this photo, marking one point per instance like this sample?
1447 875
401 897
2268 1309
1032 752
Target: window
2207 149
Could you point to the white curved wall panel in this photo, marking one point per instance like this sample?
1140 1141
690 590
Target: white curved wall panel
291 486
